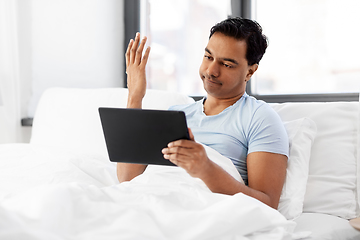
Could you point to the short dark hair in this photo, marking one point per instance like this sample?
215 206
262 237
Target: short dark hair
244 29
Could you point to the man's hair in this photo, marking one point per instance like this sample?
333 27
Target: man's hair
244 29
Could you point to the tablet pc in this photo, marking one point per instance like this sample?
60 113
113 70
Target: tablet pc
139 135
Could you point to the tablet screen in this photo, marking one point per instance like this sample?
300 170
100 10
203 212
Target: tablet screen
139 135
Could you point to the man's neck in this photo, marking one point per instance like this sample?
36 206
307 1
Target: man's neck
214 106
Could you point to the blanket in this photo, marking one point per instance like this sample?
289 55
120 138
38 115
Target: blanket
49 193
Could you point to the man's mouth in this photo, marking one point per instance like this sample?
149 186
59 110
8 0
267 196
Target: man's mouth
212 80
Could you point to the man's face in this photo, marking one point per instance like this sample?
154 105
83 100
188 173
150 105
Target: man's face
224 69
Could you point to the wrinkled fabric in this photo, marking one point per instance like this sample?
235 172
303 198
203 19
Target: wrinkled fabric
82 200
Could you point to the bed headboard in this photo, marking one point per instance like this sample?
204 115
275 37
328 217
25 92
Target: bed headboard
69 118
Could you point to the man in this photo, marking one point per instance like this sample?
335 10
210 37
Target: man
238 126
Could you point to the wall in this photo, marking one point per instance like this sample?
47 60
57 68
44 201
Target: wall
10 130
67 43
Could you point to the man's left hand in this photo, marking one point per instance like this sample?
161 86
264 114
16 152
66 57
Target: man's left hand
188 155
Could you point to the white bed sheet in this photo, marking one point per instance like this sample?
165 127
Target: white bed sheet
326 227
49 193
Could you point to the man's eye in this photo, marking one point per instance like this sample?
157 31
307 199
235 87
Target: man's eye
227 65
208 57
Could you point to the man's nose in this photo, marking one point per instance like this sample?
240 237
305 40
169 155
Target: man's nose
213 69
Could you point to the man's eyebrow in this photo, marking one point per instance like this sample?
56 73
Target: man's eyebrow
224 59
230 60
207 50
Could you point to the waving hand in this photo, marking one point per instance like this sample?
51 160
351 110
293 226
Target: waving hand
135 69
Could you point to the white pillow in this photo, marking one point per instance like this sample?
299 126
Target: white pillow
301 134
69 117
332 182
358 159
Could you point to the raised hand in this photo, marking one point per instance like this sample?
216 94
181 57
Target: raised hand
135 70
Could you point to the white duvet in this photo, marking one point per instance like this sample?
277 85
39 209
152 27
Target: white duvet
48 193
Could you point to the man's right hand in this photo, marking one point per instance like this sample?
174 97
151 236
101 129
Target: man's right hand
135 70
136 83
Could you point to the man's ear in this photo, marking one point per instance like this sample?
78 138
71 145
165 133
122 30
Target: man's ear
251 70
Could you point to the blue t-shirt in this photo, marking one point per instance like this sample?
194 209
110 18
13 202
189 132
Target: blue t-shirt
247 126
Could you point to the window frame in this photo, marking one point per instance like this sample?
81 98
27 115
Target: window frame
131 25
239 8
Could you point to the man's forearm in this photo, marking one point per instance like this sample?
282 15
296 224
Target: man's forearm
127 171
266 178
230 186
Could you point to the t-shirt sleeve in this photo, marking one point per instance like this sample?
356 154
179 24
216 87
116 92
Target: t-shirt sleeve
173 107
177 107
267 132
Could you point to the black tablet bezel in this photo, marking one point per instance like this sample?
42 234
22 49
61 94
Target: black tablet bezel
138 135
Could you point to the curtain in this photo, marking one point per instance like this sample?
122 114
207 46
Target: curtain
10 127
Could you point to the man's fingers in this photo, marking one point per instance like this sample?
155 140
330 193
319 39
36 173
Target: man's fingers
191 135
175 158
178 153
139 51
134 48
146 56
180 160
127 54
183 143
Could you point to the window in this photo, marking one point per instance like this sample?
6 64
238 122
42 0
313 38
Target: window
312 53
178 31
312 49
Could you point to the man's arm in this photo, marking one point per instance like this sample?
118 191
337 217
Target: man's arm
266 176
136 83
266 171
127 171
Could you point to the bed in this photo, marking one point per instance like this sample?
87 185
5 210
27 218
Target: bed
62 185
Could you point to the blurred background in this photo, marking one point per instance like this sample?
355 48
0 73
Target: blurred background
312 55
